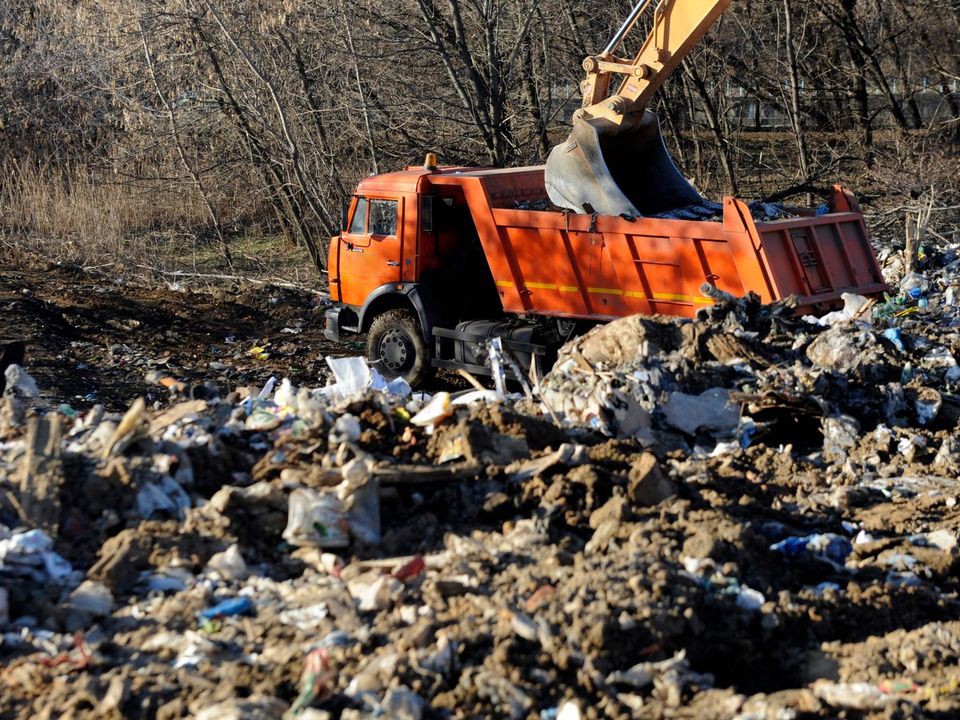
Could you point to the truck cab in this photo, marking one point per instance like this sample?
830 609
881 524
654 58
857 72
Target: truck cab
407 260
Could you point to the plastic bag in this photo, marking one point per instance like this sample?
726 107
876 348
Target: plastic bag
316 518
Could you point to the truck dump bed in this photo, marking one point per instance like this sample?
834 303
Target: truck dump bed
569 265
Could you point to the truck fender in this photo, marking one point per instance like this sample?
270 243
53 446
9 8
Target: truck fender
412 296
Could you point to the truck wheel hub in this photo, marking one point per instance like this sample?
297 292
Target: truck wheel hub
396 351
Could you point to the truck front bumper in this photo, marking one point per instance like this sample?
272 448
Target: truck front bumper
338 321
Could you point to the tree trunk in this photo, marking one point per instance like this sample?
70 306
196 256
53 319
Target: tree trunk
716 127
796 117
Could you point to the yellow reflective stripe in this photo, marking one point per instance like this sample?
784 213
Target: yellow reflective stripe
551 286
609 291
605 291
682 298
541 286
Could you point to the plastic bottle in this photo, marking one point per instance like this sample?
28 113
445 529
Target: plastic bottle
234 606
915 286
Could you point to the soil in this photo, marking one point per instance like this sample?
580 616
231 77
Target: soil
92 339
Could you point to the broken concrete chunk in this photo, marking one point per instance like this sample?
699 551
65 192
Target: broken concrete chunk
567 455
477 444
616 508
91 597
840 435
121 558
617 343
605 532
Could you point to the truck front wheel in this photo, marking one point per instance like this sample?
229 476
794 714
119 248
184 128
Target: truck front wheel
395 346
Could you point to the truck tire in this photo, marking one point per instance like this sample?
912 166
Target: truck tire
395 346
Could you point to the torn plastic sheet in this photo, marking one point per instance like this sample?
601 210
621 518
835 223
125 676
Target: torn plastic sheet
316 518
31 553
20 382
854 308
495 355
164 496
329 517
353 376
711 410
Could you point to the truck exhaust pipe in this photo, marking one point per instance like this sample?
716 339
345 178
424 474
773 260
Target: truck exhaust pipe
613 169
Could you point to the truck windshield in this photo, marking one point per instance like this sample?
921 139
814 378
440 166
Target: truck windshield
383 217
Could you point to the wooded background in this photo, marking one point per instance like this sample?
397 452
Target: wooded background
210 120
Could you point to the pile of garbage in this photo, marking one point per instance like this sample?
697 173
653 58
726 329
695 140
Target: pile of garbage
712 211
751 514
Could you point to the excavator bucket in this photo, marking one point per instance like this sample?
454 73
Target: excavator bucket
617 170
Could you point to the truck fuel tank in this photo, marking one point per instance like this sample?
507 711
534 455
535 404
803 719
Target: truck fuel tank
527 341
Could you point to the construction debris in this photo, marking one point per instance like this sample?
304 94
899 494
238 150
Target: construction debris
743 515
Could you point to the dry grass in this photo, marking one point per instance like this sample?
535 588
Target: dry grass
158 233
75 216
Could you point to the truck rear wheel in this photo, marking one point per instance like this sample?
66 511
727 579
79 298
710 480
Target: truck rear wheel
395 346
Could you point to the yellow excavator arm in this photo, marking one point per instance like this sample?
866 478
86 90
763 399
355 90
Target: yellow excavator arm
678 25
615 162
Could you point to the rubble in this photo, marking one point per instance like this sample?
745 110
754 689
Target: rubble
743 515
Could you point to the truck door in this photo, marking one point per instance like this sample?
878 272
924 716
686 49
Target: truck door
370 255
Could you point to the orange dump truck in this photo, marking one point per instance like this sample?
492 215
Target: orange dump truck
433 262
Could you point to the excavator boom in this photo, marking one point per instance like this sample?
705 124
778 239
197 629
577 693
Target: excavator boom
615 161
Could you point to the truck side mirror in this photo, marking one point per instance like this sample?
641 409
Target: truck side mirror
344 213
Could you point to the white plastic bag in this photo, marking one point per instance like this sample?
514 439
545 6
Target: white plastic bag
316 518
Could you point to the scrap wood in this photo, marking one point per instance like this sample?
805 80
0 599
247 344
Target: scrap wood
399 474
41 473
175 414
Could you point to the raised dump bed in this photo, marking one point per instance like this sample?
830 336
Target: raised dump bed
558 263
